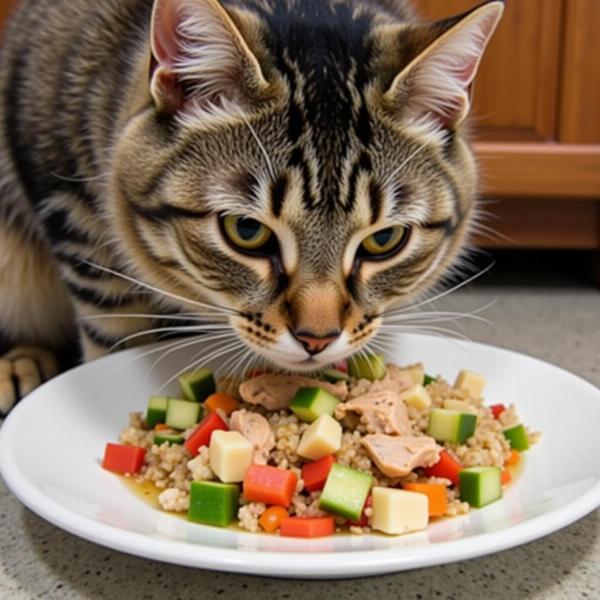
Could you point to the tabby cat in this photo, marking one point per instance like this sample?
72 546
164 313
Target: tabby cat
286 170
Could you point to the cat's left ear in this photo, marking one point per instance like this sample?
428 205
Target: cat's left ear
200 57
437 82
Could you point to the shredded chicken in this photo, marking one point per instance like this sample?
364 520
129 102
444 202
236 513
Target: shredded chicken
255 428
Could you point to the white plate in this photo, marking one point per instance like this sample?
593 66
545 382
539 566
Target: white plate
52 443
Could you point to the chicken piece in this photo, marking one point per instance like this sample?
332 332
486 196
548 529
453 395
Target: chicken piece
394 381
381 412
256 429
275 392
397 456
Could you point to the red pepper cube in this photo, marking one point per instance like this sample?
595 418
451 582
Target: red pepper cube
497 410
202 434
447 467
307 527
125 460
315 474
364 519
270 485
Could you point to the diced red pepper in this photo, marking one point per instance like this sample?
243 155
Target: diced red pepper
125 460
497 410
505 477
202 434
270 485
342 366
255 373
364 519
315 474
446 467
307 527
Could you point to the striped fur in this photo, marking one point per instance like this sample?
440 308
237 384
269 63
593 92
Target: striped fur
124 138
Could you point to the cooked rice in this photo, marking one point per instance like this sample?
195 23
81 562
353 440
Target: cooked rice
171 469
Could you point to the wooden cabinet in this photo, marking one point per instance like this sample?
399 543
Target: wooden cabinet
537 121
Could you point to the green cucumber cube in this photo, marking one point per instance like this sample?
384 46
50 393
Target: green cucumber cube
157 411
480 486
518 438
198 385
345 492
310 403
213 503
182 414
170 438
428 379
334 375
451 425
367 367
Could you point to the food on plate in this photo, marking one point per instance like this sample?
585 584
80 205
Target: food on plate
366 446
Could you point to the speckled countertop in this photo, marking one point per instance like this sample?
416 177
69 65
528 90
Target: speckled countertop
556 322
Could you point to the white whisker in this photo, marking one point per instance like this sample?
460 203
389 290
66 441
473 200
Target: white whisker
262 148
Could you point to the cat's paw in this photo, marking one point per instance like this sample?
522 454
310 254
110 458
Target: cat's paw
21 371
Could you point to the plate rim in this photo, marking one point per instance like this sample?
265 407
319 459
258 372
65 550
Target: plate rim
286 564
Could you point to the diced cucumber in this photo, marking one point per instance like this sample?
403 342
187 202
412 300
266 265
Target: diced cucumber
335 375
170 438
428 379
310 403
157 410
198 385
367 367
213 503
451 425
182 414
345 492
518 438
480 486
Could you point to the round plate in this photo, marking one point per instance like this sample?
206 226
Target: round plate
52 443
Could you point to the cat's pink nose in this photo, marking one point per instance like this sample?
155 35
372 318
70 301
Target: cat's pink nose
314 344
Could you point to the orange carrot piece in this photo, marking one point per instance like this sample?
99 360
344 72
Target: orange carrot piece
270 485
513 459
222 401
161 427
436 492
505 477
271 519
307 527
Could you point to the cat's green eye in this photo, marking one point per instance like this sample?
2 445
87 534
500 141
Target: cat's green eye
245 233
384 243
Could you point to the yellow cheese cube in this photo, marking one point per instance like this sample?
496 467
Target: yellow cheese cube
230 455
322 438
459 405
417 396
471 383
399 511
415 372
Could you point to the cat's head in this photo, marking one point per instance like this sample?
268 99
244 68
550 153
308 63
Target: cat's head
301 162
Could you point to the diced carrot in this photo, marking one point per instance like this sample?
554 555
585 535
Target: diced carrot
271 519
315 474
513 459
446 467
222 401
270 485
307 527
497 410
505 477
435 492
202 434
161 427
125 460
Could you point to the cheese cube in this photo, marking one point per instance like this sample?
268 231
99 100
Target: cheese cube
415 372
459 405
322 438
230 455
399 511
417 396
471 383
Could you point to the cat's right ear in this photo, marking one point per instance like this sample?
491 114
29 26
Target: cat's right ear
200 58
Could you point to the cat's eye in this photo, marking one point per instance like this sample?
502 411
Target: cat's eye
246 234
384 243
